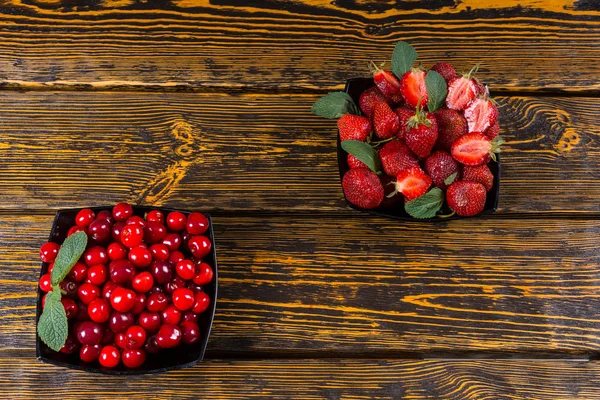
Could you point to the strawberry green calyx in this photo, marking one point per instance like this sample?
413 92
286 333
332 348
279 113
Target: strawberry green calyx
495 147
420 117
472 72
374 68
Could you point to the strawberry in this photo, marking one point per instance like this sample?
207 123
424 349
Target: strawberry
422 132
451 126
481 174
354 162
392 198
354 127
440 165
385 121
492 131
461 90
446 70
404 114
413 89
369 99
386 81
481 89
396 99
481 113
412 183
362 188
475 149
396 156
466 198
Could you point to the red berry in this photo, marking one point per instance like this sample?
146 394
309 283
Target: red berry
200 245
89 332
116 251
152 346
136 337
461 91
132 235
201 303
97 274
119 322
175 284
171 315
492 131
396 156
121 271
183 299
71 308
109 357
421 133
121 340
99 310
150 321
71 345
78 272
440 166
154 232
404 114
89 353
142 282
354 162
204 274
44 300
141 257
48 251
353 127
190 332
189 316
135 220
176 257
176 221
197 223
412 183
82 312
133 358
156 302
70 288
386 82
195 288
451 126
481 174
84 217
155 216
162 271
45 283
168 336
122 299
413 88
481 114
172 241
466 198
95 255
107 215
99 231
76 228
159 252
446 70
108 336
385 122
122 211
473 149
50 267
140 304
88 293
362 188
369 99
116 231
186 269
108 289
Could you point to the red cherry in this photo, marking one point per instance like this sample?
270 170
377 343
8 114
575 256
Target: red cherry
132 235
185 237
172 241
99 230
190 332
151 346
88 293
89 353
99 310
108 288
189 316
140 257
183 299
122 299
78 272
133 358
176 221
116 231
155 216
176 283
71 308
197 223
82 312
97 274
136 337
116 251
171 315
95 255
135 220
70 288
156 302
204 274
121 340
176 257
186 269
201 303
84 217
168 336
46 283
121 271
109 357
76 228
142 282
108 336
140 304
119 322
150 321
107 215
48 251
71 345
122 211
162 271
89 332
159 252
154 232
199 246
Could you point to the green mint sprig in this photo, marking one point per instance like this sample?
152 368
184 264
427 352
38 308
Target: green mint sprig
426 206
364 152
403 58
334 105
436 90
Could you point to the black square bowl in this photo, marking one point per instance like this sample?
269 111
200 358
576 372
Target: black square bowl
175 358
355 87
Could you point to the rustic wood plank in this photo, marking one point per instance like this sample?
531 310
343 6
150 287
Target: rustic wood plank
25 378
348 286
541 45
254 152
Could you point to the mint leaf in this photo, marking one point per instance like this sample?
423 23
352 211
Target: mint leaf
70 251
403 58
53 326
426 206
334 104
436 90
449 180
364 152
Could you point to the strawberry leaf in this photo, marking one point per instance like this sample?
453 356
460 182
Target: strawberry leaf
449 180
53 326
436 90
70 251
364 152
334 104
403 58
426 206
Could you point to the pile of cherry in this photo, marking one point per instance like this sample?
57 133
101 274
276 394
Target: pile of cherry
133 291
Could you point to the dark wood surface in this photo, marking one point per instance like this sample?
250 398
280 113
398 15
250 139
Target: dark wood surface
206 105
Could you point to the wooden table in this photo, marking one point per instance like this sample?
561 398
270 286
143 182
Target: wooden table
206 105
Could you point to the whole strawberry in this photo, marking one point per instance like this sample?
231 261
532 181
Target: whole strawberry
369 99
439 166
404 114
451 126
492 131
385 121
446 70
386 82
422 133
354 162
481 113
461 90
396 156
412 183
481 174
363 188
475 149
354 127
466 198
413 88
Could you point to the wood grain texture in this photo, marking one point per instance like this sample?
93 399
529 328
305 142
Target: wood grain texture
292 286
537 45
25 378
254 152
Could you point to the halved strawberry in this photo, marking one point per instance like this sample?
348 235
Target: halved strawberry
413 88
475 149
354 127
462 90
385 121
404 114
422 133
369 99
446 70
481 113
386 81
412 183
